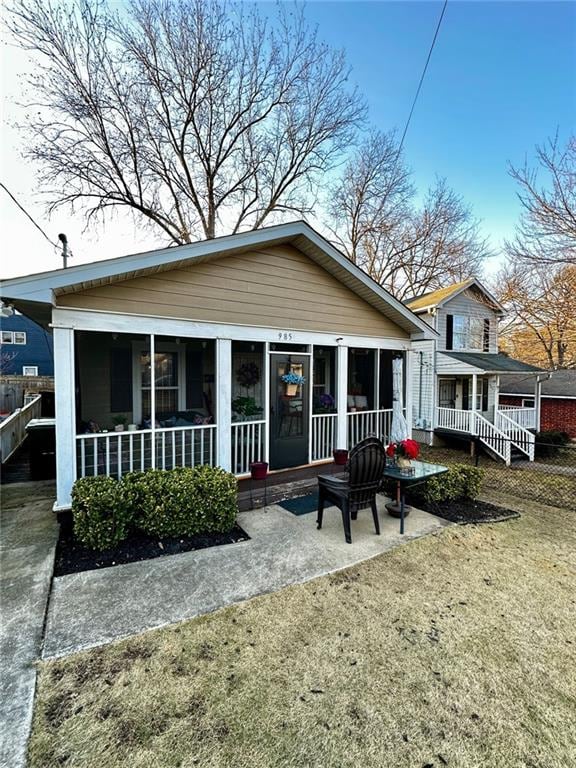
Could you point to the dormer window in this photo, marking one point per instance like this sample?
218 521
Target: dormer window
467 333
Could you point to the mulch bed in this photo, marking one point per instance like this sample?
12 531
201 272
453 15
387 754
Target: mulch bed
468 511
74 557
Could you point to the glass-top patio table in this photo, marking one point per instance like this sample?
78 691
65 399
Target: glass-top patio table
419 472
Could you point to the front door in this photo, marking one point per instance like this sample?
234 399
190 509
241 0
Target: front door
447 393
289 410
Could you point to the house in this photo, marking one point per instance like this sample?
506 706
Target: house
186 351
557 399
456 375
26 347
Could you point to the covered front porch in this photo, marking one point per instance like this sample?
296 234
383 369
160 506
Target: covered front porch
151 400
467 403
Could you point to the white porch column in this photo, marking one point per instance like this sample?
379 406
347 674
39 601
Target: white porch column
342 399
408 368
473 402
65 406
224 403
496 397
537 402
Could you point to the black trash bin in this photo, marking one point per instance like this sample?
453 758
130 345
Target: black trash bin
42 448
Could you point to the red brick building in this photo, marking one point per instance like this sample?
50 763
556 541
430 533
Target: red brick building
557 401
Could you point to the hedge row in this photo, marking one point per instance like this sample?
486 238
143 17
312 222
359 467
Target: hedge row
460 482
175 502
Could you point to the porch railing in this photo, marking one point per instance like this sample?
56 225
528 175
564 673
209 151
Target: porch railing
498 442
116 453
524 417
454 419
324 426
247 445
522 438
364 423
13 428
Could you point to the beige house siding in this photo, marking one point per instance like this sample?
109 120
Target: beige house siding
278 287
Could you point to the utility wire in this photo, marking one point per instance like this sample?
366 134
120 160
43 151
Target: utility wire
422 77
25 212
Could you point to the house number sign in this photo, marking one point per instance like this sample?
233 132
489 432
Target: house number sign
286 336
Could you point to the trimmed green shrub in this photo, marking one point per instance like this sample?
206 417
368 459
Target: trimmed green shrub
101 518
183 501
460 482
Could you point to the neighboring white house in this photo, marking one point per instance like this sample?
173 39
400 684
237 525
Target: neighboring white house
456 375
183 351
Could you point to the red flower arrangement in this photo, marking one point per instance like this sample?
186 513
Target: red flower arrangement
408 448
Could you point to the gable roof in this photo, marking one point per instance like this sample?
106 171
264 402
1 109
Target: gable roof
34 295
560 384
440 297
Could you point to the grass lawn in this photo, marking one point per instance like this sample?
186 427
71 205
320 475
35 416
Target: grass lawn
458 649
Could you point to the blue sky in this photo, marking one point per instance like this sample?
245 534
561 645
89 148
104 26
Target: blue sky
502 78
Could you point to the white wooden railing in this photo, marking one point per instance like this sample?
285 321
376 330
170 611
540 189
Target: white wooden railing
524 417
522 438
247 445
364 423
454 419
324 426
13 428
116 453
491 436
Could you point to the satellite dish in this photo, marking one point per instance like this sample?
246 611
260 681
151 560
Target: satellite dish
6 310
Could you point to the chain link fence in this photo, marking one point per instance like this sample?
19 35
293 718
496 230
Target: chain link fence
550 478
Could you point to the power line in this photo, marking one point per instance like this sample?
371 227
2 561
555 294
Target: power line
25 212
422 77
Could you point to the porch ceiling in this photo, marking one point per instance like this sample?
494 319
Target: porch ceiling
29 292
482 362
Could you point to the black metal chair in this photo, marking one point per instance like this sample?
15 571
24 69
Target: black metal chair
358 487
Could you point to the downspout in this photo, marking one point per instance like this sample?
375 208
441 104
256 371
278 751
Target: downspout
420 388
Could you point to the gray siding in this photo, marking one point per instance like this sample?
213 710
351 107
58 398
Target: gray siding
470 304
423 372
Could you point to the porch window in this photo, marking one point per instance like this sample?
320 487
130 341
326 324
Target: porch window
324 380
166 366
527 402
248 379
361 379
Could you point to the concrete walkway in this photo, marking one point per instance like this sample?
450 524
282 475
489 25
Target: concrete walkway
96 607
27 545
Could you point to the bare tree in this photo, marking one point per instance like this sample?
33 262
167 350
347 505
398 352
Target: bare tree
546 233
540 327
406 248
198 115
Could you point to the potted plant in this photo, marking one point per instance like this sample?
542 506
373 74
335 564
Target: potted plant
340 456
119 422
246 407
403 452
259 470
293 381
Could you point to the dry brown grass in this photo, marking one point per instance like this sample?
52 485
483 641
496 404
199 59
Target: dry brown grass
458 649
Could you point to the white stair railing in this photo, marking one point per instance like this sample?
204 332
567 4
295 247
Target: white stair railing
323 435
493 438
522 438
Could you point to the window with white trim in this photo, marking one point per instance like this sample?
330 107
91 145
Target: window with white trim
527 402
19 337
7 337
467 332
29 370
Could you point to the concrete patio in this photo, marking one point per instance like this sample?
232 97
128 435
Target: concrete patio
44 617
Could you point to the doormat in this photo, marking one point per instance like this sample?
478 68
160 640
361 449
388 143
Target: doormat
302 505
